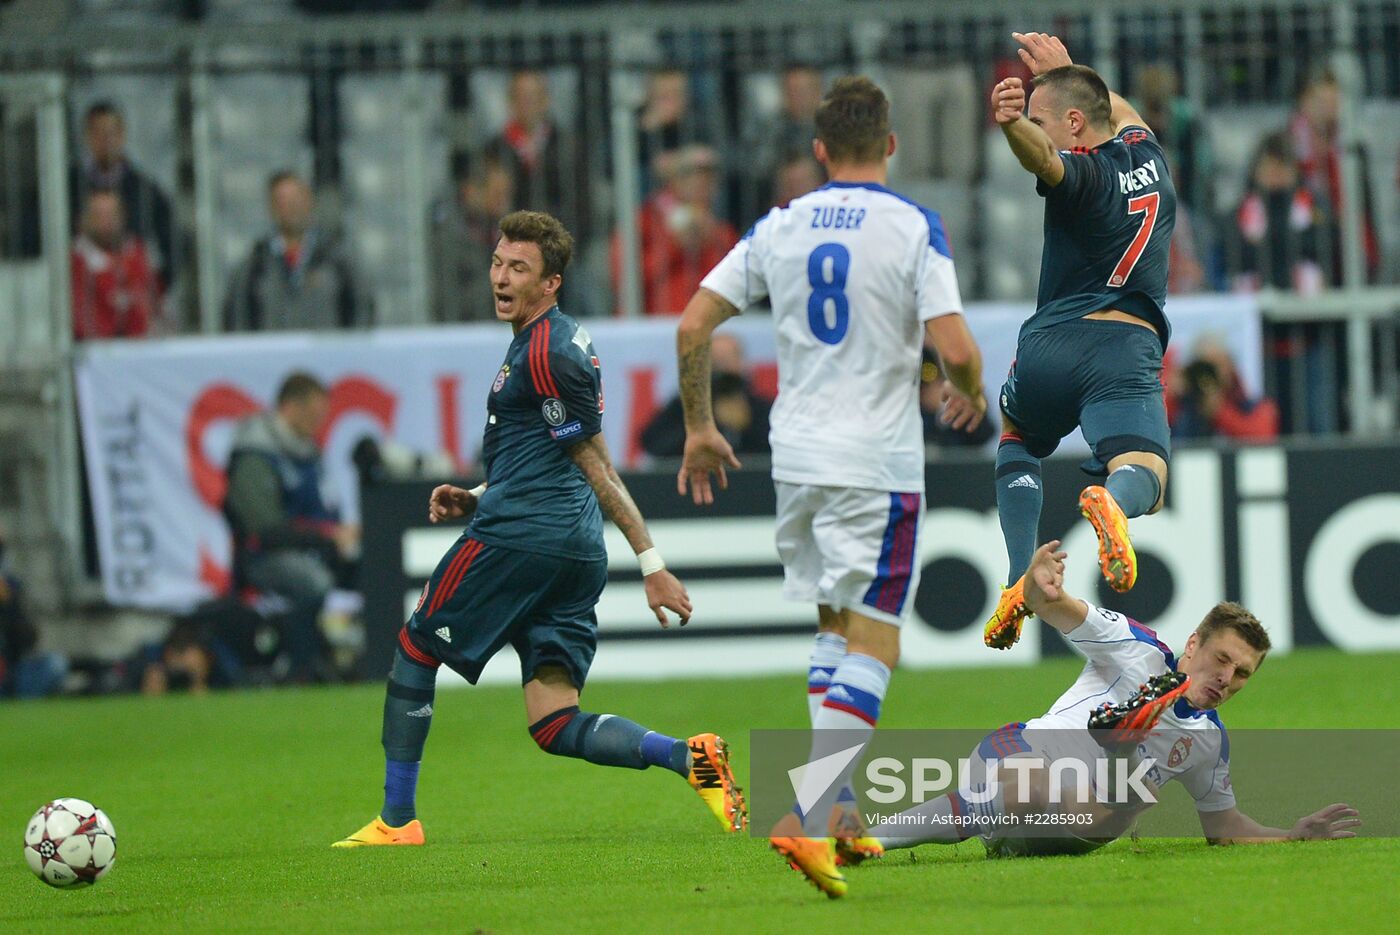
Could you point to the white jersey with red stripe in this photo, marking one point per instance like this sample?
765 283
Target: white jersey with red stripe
1188 745
852 270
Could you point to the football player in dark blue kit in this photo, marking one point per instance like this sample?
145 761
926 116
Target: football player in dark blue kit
1091 354
530 567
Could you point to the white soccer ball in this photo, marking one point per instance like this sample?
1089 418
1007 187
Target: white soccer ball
70 843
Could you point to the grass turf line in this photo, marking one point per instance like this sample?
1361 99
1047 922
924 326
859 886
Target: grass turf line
225 807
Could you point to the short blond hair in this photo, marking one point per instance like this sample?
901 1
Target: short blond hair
1227 615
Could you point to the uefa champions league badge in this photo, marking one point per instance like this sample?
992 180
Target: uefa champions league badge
501 378
554 412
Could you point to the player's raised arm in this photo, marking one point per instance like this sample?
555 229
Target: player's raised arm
706 450
1045 590
664 591
1041 53
1032 146
1231 826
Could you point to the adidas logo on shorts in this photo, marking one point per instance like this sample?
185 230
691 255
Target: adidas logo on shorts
1025 480
444 634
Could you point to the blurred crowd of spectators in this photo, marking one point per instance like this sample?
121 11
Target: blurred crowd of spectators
699 189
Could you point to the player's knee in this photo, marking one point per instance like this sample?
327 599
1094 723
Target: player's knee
830 621
551 731
416 653
1160 470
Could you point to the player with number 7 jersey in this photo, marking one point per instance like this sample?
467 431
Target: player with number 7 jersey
1091 354
859 277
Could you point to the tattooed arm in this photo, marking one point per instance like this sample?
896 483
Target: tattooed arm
664 591
706 450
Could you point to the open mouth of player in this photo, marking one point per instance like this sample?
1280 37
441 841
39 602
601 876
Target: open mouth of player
504 302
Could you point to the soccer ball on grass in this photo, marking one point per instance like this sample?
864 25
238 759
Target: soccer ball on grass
70 843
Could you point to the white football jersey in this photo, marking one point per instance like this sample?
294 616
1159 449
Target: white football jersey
852 270
1188 745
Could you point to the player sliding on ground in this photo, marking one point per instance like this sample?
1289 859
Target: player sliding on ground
1148 703
1091 354
859 278
529 569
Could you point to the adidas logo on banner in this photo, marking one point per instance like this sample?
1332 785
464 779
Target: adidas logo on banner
444 634
425 711
1025 480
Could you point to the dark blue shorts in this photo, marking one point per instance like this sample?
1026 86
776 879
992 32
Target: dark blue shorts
1102 376
482 597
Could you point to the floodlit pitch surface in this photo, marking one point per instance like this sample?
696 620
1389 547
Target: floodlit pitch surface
226 807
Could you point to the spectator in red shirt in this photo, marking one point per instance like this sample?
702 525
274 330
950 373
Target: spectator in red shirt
681 237
116 293
1277 224
1208 399
1317 145
547 164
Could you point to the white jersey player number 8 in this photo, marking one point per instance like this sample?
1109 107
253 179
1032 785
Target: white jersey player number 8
847 412
829 285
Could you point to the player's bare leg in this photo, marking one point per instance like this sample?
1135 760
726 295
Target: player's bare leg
1136 485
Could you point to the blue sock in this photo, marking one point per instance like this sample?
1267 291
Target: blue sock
408 714
1019 497
660 750
609 740
1135 487
400 787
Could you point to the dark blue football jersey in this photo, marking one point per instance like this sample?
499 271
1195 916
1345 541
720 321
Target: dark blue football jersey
547 397
1108 232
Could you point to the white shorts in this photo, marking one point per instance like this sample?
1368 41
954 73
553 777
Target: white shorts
850 548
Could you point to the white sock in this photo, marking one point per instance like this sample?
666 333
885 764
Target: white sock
945 820
847 719
828 649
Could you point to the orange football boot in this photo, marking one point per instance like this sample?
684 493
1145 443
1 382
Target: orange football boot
1004 629
1117 560
377 833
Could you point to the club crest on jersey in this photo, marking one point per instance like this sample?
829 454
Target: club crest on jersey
1180 751
554 412
422 596
501 378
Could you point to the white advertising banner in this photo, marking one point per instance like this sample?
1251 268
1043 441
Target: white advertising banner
157 416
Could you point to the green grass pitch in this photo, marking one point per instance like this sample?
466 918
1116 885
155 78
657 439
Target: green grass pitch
225 806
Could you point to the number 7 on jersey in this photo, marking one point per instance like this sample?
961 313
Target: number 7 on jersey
1147 206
